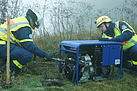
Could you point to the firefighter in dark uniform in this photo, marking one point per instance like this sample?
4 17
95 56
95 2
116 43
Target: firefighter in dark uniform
21 42
120 31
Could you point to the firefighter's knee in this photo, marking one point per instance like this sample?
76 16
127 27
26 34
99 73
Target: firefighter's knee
27 57
19 64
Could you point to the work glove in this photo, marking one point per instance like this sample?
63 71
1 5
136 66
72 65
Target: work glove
104 39
48 57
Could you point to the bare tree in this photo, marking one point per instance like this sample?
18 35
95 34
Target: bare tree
3 10
129 11
71 18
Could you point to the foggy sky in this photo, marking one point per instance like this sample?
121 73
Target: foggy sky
103 3
98 3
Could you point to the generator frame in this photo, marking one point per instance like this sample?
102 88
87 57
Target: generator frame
112 53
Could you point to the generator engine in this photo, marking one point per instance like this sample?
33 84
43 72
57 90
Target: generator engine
90 65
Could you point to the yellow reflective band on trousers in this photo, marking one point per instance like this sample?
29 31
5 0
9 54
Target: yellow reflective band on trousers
25 40
17 64
134 62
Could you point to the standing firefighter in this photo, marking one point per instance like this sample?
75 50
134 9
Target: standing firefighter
120 31
21 42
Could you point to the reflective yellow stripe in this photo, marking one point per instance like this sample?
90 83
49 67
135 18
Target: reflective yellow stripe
24 40
108 37
19 23
3 31
2 42
134 62
15 24
17 64
126 30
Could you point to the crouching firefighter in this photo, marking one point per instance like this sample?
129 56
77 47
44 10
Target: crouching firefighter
21 42
120 31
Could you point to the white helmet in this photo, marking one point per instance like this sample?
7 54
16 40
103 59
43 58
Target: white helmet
36 17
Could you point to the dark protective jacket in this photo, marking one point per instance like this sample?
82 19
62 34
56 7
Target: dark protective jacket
121 31
21 35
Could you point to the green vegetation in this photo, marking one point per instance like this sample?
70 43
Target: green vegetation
30 77
30 80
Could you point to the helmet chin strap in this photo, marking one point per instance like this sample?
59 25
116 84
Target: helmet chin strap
106 28
106 25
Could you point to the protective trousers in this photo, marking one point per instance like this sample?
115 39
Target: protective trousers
18 57
130 54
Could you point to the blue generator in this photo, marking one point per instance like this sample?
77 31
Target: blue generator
89 59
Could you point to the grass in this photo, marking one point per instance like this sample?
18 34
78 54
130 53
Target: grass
28 81
33 73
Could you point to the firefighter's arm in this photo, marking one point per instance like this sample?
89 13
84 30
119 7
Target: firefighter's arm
25 37
126 35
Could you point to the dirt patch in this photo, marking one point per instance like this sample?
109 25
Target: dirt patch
52 82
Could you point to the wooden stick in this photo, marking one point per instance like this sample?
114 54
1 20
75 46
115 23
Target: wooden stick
8 53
